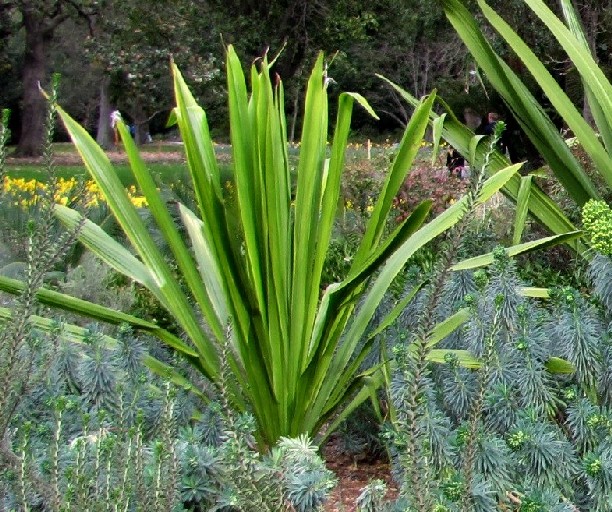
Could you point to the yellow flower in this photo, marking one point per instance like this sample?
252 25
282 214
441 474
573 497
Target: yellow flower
138 201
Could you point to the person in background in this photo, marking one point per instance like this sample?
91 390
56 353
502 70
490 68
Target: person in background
488 128
454 161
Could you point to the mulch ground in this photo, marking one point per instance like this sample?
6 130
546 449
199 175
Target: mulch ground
353 476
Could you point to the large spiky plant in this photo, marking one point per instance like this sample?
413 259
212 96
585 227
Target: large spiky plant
295 350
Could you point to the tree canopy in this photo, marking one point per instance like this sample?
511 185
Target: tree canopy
115 55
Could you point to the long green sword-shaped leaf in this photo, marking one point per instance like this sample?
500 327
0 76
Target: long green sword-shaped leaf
580 55
107 248
97 312
369 254
448 326
172 297
532 291
583 132
542 243
210 273
204 172
222 233
68 332
159 210
522 209
340 298
310 182
331 319
248 181
464 357
573 22
396 311
531 117
409 146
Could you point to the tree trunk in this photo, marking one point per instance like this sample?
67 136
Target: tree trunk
140 124
33 106
104 135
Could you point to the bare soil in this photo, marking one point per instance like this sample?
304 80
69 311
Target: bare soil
353 475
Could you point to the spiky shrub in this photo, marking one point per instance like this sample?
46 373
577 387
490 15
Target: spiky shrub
85 425
258 267
103 431
487 438
513 434
371 497
97 431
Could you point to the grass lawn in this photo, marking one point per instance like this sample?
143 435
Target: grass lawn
62 148
166 172
167 169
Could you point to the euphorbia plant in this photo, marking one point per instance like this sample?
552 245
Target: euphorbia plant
251 270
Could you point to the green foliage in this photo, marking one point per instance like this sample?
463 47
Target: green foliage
371 497
532 116
145 450
259 267
597 222
523 438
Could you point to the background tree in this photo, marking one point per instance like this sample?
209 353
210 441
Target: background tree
133 58
114 55
39 20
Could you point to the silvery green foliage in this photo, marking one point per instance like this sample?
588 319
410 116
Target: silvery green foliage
547 460
85 431
502 407
98 374
494 462
600 274
484 498
307 481
459 285
458 390
604 385
542 439
584 422
372 497
598 468
131 352
66 368
360 434
549 501
132 439
577 330
228 472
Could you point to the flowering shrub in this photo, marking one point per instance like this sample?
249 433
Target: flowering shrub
427 182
